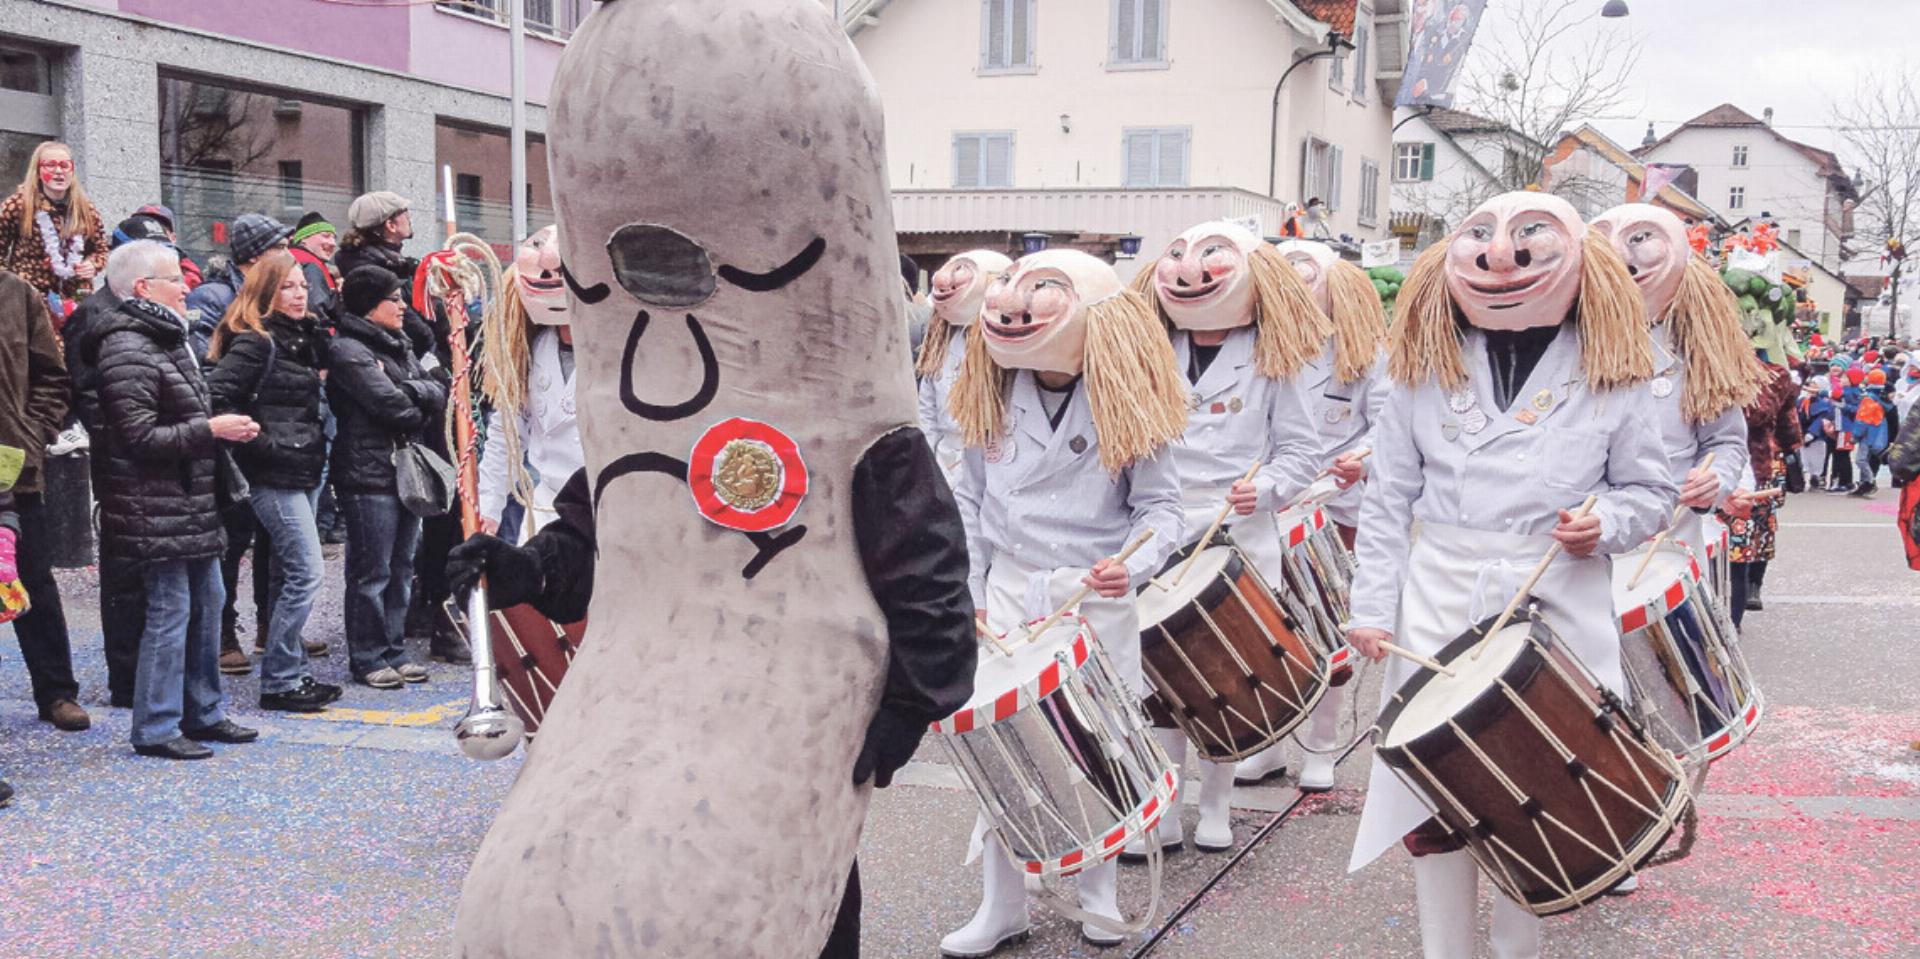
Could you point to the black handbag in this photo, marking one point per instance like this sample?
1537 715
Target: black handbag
423 479
230 486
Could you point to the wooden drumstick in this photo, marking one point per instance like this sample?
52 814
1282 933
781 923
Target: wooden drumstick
1672 521
1539 570
1218 519
1409 654
991 637
1360 454
1086 591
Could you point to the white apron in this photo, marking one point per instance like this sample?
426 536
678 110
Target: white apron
1455 578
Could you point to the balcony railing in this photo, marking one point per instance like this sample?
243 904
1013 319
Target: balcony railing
555 18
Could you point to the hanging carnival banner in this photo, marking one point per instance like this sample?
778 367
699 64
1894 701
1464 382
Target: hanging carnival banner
1440 34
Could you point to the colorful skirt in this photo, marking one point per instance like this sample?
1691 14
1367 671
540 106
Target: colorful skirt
1750 540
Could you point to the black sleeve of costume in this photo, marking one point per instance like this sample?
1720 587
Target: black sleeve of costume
565 548
914 549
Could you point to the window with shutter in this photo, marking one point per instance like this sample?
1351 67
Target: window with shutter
1139 33
1361 38
982 160
1406 161
1426 162
1006 35
1333 180
966 161
1154 158
997 162
1369 192
1173 159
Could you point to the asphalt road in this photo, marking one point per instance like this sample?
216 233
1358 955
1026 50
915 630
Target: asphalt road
346 835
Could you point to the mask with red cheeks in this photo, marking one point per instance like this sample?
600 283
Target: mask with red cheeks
959 287
537 265
1654 243
1036 319
1515 262
1203 282
1313 263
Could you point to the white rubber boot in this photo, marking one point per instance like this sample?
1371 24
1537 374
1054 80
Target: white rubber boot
1316 742
1516 932
1100 895
1265 764
1001 919
1627 886
1215 830
1446 886
1169 831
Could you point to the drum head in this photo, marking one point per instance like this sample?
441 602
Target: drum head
1670 565
998 674
1158 601
1441 698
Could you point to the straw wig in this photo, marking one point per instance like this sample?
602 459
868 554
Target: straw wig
1704 320
1615 349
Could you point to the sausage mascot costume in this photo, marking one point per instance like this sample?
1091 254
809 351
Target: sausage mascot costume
770 525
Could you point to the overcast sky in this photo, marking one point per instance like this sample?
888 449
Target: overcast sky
1796 56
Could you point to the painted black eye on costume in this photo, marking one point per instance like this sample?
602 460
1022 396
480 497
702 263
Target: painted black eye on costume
661 266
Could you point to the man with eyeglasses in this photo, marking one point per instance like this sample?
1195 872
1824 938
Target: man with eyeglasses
157 506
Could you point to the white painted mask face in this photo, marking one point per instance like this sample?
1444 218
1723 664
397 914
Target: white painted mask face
1313 262
1515 263
1203 281
1036 319
960 285
537 264
1653 241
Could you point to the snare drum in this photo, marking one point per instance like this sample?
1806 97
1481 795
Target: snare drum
1058 753
531 654
1228 666
1316 581
1684 670
1554 787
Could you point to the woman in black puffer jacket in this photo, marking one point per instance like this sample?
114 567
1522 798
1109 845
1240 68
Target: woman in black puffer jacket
382 399
156 500
268 356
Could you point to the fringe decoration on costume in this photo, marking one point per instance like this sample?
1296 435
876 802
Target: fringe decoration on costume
933 346
1424 342
1134 386
1615 349
506 342
1359 322
978 400
1704 320
1290 331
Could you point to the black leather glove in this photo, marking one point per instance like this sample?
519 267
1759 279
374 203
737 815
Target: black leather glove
891 740
513 573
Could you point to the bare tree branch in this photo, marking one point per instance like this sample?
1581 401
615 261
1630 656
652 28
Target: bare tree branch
1880 125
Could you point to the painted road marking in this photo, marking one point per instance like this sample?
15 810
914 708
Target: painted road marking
1883 524
430 716
1862 601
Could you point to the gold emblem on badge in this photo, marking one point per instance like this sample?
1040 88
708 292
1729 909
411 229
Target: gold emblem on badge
1235 405
1542 401
747 476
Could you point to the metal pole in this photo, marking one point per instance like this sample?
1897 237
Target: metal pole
517 129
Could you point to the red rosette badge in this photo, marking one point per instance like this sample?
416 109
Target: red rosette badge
747 476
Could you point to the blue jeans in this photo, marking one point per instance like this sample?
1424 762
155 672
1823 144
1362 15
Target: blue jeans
381 539
177 684
288 517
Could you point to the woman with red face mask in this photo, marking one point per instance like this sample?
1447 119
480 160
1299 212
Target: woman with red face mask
50 234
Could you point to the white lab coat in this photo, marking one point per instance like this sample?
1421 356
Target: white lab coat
549 436
1238 417
1345 416
1686 444
942 433
1486 501
1055 511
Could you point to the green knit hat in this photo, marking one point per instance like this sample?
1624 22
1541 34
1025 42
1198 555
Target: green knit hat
311 224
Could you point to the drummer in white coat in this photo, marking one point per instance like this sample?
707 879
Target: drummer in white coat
529 383
1346 384
1704 373
1498 427
959 292
1243 328
1065 401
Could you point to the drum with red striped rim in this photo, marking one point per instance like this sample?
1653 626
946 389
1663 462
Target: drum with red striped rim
1057 751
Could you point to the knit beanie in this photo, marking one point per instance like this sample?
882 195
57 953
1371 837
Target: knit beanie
310 225
365 287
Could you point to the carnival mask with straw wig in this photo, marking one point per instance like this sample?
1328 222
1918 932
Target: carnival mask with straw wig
536 266
1218 276
1654 244
1063 311
1514 264
1204 280
1683 291
1521 260
1345 294
960 285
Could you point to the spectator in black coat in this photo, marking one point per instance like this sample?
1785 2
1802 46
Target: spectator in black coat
382 399
268 356
157 504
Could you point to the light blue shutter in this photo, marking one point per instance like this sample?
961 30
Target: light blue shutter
966 161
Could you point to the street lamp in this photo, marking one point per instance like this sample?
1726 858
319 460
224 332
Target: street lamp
1614 10
1129 246
1033 242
